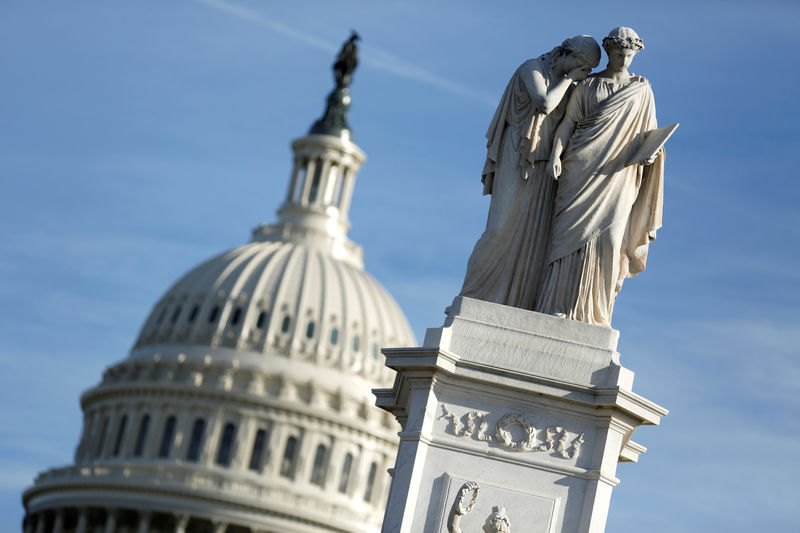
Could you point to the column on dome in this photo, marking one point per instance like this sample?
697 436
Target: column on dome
144 522
110 431
101 431
323 173
305 455
157 418
348 181
220 527
41 521
214 425
249 426
58 523
331 182
83 452
320 182
181 521
83 520
242 442
184 426
311 168
297 179
111 520
276 440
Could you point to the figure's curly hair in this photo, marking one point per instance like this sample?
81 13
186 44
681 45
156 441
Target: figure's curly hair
623 37
582 46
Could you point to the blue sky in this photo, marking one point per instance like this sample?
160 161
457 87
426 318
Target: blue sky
139 138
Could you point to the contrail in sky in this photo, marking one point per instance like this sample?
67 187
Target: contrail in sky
371 56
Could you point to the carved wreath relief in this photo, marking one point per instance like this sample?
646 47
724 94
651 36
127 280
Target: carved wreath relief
497 522
465 426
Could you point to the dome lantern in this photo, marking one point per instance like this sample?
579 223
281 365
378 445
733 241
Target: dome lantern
323 176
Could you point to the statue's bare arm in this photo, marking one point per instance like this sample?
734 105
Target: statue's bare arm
546 101
563 134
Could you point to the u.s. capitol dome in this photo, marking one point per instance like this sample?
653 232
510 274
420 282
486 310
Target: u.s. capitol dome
245 404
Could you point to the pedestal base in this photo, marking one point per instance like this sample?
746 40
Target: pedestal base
510 416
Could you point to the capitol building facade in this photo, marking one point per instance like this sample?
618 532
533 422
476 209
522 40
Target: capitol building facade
245 404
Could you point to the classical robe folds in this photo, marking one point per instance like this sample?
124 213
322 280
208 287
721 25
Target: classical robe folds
509 258
606 214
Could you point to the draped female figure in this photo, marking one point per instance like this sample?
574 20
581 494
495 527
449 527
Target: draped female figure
508 259
606 213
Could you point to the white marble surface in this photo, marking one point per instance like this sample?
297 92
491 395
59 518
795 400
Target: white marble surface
535 410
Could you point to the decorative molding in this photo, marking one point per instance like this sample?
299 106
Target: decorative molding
565 445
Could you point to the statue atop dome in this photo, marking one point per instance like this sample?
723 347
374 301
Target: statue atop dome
346 61
334 121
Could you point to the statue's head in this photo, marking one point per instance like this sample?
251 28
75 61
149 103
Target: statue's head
623 37
621 45
584 48
497 522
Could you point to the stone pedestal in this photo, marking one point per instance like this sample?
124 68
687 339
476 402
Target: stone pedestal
510 417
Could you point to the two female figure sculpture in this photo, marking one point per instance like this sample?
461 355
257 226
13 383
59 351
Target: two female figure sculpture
568 220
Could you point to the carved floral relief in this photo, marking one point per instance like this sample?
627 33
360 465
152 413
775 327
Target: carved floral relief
475 424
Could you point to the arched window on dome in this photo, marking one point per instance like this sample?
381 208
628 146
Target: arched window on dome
193 313
344 479
335 336
376 352
310 330
320 467
289 458
141 439
102 440
212 316
262 318
175 314
356 343
259 447
196 443
225 450
123 425
287 321
373 469
236 316
167 438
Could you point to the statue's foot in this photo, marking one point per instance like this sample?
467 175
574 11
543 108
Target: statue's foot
560 315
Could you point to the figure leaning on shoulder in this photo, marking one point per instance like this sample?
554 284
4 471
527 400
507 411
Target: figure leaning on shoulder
508 260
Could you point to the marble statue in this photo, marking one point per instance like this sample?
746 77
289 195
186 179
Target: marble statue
346 61
507 262
606 213
334 121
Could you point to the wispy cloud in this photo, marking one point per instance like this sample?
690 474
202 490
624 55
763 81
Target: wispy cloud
371 56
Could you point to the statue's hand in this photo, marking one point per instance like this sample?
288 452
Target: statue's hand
580 73
652 159
554 168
